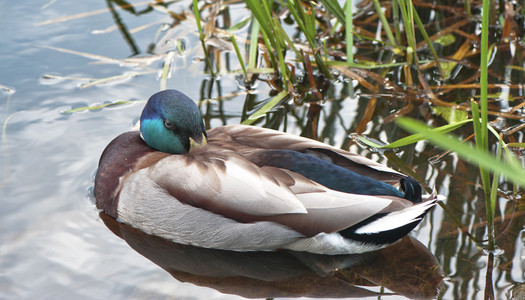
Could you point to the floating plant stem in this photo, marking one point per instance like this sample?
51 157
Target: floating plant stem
95 107
166 70
6 89
106 80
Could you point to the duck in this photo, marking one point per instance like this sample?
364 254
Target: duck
248 188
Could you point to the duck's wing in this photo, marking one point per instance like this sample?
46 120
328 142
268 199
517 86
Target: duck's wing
330 210
224 183
242 138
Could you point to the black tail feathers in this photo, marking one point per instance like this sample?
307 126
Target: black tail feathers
411 188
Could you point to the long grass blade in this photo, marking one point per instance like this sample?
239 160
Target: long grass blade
384 22
482 138
424 33
202 36
414 138
405 6
466 151
254 37
239 56
349 28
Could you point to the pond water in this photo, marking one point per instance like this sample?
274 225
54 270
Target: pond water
54 244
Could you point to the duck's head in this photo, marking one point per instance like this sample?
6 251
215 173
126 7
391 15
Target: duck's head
171 123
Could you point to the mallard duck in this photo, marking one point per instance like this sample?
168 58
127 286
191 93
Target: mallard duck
247 188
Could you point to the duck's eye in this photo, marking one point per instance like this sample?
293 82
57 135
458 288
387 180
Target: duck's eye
169 125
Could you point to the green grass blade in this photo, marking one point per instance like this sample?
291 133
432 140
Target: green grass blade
290 43
395 17
475 118
477 134
282 63
491 203
239 56
510 158
239 25
198 18
254 43
414 138
269 26
349 28
334 8
482 141
384 21
405 7
484 74
265 108
202 36
517 145
305 22
466 151
424 33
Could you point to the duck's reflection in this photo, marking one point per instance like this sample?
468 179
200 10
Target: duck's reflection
407 268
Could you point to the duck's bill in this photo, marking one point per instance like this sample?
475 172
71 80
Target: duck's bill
197 144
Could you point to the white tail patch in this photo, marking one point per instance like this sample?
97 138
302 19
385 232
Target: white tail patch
397 219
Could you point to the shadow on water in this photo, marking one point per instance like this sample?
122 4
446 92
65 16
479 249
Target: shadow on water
407 268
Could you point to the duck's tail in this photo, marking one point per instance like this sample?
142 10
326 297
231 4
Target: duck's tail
411 188
385 229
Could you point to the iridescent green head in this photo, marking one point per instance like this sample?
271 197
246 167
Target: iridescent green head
171 122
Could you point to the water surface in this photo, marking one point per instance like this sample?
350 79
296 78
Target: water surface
53 243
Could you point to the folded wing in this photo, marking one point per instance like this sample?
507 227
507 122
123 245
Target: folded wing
224 183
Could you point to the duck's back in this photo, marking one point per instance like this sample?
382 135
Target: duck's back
249 140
